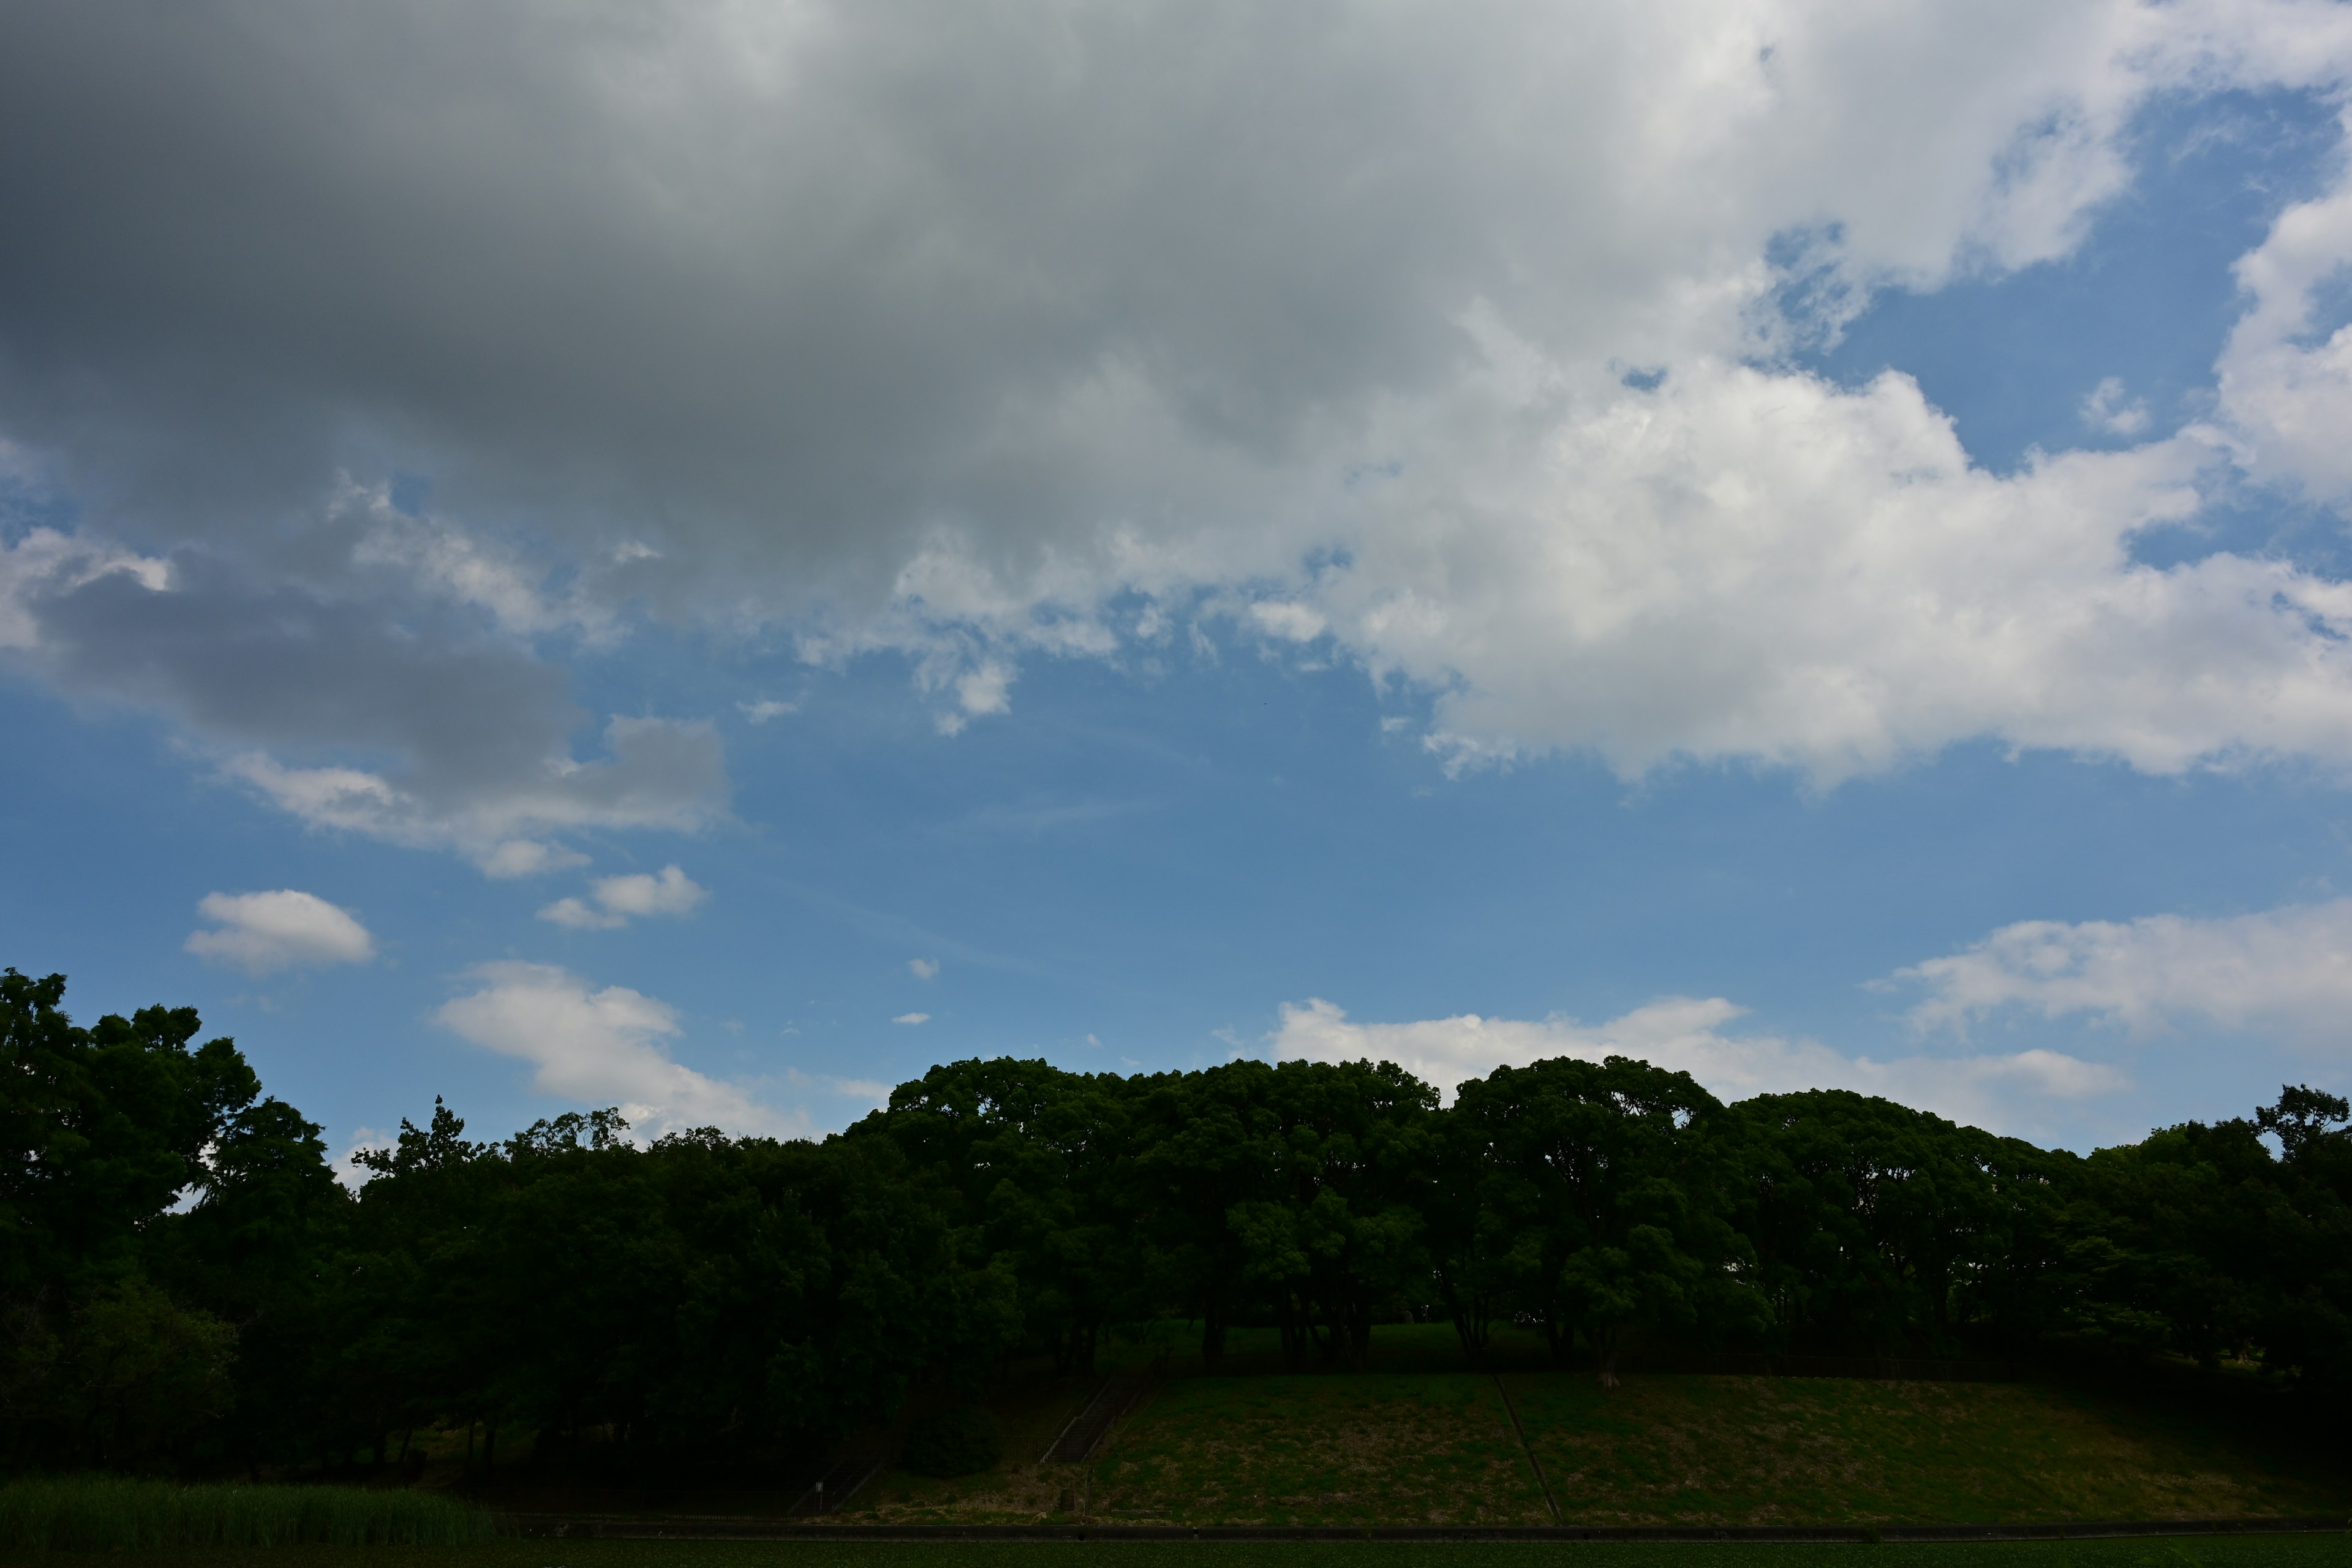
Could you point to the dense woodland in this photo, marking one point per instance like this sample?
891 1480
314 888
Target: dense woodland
187 1285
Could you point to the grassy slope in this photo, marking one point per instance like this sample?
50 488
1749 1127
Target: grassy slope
1417 1440
1018 1490
1743 1450
1435 1447
1389 1447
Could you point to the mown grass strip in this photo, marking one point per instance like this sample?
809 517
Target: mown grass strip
2264 1552
109 1513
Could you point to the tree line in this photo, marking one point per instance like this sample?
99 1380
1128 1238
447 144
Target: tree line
186 1282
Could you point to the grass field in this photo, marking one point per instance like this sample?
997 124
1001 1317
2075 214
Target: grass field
1407 1448
1435 1447
2276 1552
1755 1451
115 1514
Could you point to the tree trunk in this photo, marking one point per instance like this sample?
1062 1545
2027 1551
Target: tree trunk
1605 1353
1472 1324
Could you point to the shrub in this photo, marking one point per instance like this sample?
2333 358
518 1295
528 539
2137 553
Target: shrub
960 1441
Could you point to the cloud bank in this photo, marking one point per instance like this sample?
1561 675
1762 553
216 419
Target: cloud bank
1457 335
1685 1034
2285 974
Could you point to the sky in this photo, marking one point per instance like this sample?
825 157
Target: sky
707 556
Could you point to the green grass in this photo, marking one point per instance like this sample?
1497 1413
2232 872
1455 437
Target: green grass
1019 1490
1436 1448
1394 1447
106 1513
2272 1552
1760 1451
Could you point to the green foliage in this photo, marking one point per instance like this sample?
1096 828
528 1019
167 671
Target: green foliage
140 1371
104 1513
116 1337
183 1283
1612 1193
961 1440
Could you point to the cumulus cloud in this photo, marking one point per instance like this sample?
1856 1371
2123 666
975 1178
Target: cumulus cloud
927 328
2286 372
603 1048
2284 973
262 932
1686 1033
669 891
1744 563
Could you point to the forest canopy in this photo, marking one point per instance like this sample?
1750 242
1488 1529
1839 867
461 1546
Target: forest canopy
186 1284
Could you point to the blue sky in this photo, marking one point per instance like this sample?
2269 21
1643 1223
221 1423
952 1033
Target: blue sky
1299 540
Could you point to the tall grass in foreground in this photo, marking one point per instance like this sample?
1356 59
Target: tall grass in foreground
106 1513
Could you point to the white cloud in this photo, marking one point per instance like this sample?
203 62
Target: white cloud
978 691
1292 623
872 1091
2106 409
603 1048
1748 565
1685 1034
260 932
923 968
577 915
1323 321
2286 372
528 857
912 1019
669 892
767 708
2284 973
451 564
365 1140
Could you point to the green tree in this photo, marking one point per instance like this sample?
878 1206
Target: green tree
1610 1189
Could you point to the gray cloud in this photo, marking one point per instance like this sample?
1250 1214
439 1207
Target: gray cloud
389 716
935 326
802 284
